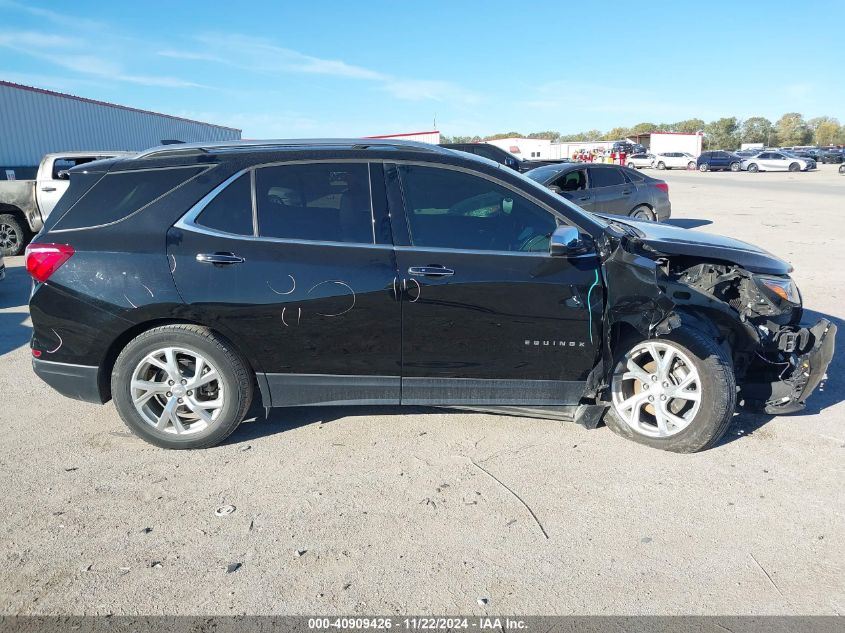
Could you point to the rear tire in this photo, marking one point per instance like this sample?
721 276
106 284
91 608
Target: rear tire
642 212
842 169
153 386
13 235
734 166
687 426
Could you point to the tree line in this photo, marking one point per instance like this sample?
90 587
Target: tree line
726 133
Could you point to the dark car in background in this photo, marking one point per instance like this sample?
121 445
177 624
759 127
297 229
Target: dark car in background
718 160
184 281
607 189
832 155
501 156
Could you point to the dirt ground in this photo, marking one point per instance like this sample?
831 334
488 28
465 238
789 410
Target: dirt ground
365 511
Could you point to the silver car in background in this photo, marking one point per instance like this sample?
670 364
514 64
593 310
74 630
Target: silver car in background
638 161
776 161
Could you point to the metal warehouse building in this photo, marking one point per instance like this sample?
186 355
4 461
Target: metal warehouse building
34 122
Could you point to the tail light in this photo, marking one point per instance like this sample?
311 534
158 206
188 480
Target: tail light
662 186
42 260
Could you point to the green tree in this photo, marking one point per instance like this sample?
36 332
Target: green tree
793 130
551 136
722 133
757 129
494 137
688 126
644 128
826 130
616 134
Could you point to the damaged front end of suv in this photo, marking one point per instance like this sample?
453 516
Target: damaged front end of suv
661 278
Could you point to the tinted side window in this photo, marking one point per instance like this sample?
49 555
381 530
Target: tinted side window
605 177
120 194
453 209
318 201
231 210
487 152
575 180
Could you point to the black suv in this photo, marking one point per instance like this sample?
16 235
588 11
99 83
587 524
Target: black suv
832 155
718 160
185 280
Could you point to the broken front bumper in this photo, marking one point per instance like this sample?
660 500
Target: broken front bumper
798 381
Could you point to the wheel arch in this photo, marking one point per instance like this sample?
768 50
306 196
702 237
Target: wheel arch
123 339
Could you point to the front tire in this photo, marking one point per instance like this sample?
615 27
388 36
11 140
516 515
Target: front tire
794 167
691 165
661 165
842 169
703 167
753 168
13 235
676 393
181 386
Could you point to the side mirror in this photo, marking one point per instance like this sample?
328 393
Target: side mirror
566 241
554 189
63 174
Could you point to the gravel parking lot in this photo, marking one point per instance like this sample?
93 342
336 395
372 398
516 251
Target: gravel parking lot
365 510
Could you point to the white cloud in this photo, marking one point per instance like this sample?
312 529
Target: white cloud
34 39
434 90
259 55
64 52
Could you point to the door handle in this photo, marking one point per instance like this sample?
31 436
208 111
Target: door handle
431 271
584 199
219 258
48 189
626 192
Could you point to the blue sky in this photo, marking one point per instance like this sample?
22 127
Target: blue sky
293 69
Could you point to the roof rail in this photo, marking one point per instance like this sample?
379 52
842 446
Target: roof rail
236 146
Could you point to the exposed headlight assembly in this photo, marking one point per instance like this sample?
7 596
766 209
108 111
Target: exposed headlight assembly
778 290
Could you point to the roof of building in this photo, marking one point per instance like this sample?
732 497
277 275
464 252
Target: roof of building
63 95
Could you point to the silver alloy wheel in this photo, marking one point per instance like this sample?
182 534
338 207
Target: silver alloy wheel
658 392
177 391
9 238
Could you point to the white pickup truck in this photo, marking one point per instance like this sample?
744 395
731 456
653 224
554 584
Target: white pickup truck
25 204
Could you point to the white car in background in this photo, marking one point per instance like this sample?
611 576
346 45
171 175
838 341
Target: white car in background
774 161
675 160
638 161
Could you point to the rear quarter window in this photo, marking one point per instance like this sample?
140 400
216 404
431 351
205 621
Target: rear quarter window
118 195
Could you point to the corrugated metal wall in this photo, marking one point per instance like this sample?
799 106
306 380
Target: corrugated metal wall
34 123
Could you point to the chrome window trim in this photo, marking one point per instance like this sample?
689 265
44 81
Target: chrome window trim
470 251
189 220
254 201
